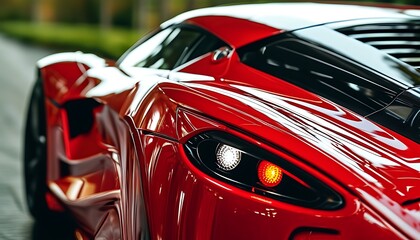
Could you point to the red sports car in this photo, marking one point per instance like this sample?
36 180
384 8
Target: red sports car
264 121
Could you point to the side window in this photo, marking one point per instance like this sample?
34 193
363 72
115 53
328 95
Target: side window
171 47
145 49
206 44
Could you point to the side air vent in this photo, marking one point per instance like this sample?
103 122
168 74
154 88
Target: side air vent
401 40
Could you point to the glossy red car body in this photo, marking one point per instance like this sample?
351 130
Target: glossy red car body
116 136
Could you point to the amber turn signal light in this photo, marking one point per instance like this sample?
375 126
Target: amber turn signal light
269 174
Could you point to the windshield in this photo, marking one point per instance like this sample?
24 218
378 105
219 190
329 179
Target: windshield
342 76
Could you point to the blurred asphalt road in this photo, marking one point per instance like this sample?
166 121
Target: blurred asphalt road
17 75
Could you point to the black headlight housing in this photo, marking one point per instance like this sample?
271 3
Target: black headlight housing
293 185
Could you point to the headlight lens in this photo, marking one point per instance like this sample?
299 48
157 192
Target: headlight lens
228 158
244 165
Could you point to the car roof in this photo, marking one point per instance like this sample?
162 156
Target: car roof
291 16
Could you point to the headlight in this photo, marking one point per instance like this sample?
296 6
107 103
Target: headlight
244 165
228 158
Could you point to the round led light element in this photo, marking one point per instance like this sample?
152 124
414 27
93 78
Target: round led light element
228 158
269 174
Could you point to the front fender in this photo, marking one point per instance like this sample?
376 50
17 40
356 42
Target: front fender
64 74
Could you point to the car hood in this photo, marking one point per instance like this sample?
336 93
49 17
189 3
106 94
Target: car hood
374 163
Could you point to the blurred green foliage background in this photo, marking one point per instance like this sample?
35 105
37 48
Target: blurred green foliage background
105 27
126 13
